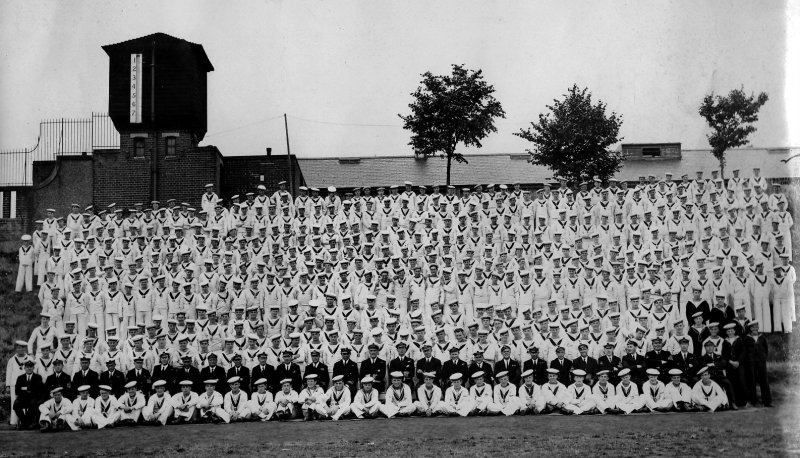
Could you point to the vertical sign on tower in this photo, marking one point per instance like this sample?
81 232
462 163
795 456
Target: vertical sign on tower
136 88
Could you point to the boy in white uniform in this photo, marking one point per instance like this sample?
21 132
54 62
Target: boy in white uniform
236 403
25 271
262 405
366 402
553 392
285 400
654 393
338 399
457 400
429 396
159 406
707 394
531 400
312 399
184 404
82 410
604 394
131 405
481 394
106 409
398 400
628 399
505 397
210 404
580 396
679 393
53 412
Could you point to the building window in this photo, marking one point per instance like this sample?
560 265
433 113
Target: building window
651 151
138 147
170 146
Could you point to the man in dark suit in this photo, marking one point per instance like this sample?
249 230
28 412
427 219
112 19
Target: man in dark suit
403 363
375 367
262 370
635 362
190 373
686 362
507 364
214 372
428 364
348 369
609 362
479 364
86 376
659 359
113 378
164 371
319 369
59 378
563 365
29 390
537 365
586 363
238 370
454 365
290 370
140 375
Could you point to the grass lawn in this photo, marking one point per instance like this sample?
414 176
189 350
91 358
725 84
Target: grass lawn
754 432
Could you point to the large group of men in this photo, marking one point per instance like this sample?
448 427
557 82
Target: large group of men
492 301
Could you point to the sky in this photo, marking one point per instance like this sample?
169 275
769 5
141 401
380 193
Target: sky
343 70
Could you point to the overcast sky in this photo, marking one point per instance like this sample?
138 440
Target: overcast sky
326 64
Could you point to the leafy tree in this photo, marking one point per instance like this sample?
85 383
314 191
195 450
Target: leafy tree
449 110
573 139
731 119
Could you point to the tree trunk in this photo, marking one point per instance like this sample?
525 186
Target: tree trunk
449 161
722 166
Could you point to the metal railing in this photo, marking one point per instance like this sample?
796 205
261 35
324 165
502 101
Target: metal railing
57 137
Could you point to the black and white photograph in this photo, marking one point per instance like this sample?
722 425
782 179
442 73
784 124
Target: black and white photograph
399 228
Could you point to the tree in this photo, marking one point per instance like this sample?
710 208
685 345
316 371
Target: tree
449 110
731 119
573 139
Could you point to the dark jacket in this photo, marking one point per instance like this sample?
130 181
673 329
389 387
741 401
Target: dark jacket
242 372
166 373
63 380
348 369
143 381
488 372
116 381
193 375
434 365
293 373
377 370
267 373
564 370
449 368
91 378
637 364
323 376
218 374
30 393
539 370
404 365
590 366
513 367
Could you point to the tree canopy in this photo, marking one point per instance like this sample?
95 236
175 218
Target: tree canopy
731 119
574 137
448 110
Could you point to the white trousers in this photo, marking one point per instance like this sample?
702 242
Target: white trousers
24 278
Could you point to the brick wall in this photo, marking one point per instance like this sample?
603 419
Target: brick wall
123 178
241 174
12 229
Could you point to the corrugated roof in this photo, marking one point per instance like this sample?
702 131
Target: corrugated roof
348 172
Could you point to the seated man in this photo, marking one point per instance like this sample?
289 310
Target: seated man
366 403
106 409
159 407
285 401
457 400
505 400
579 396
653 392
312 399
210 404
337 398
481 393
531 399
184 404
707 395
628 399
553 392
82 410
678 393
131 405
53 412
235 402
429 396
398 400
605 394
262 404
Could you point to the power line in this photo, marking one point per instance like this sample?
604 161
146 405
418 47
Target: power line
343 123
244 126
